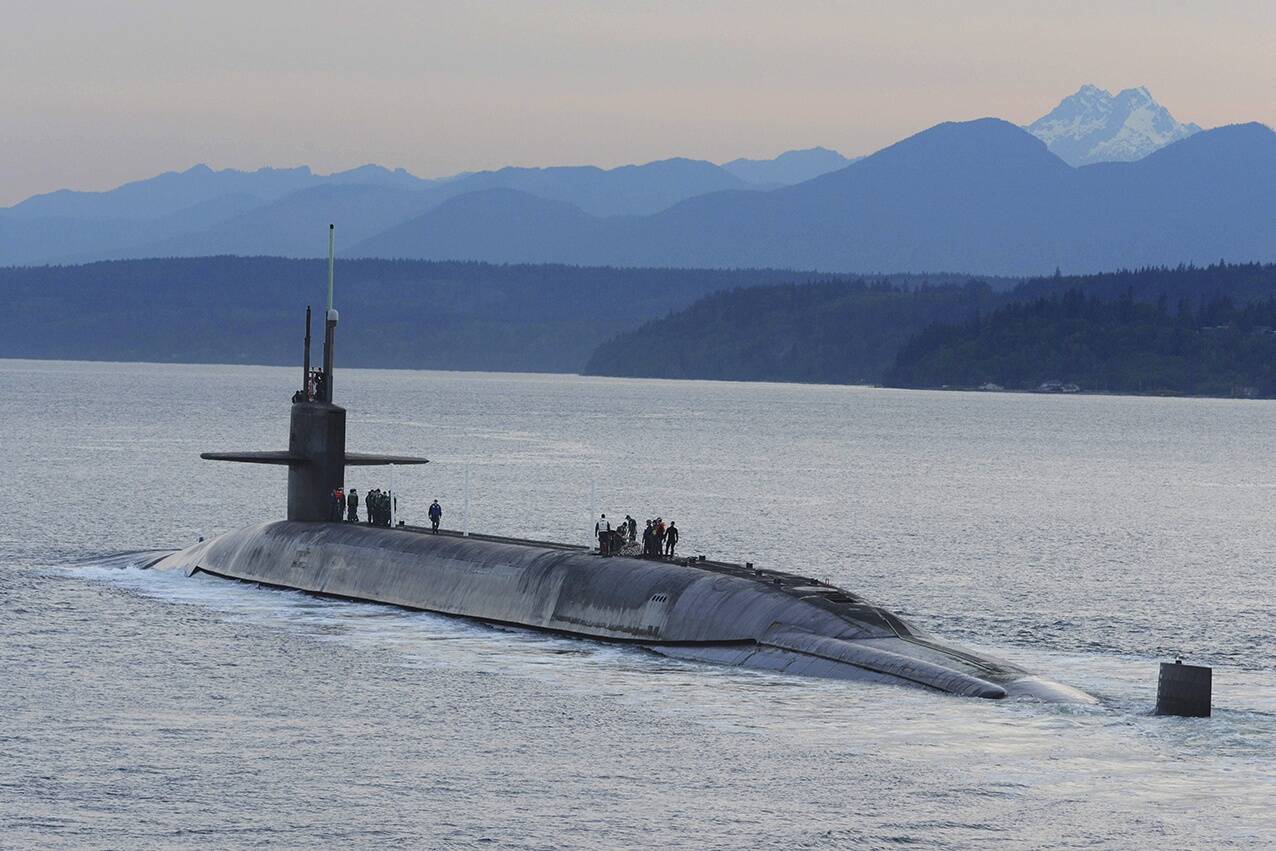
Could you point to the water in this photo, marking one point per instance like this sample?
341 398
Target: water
1085 537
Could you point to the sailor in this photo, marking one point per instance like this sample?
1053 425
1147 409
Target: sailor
352 506
647 537
631 528
370 502
671 538
603 530
436 514
338 504
659 536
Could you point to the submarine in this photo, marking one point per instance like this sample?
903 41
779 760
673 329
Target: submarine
685 608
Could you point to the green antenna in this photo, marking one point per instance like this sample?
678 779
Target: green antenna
332 237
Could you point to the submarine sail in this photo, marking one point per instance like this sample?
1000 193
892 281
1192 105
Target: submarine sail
316 456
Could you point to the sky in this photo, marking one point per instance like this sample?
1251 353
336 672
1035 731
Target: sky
94 93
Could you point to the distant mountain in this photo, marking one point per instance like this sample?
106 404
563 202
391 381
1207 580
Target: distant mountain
628 189
171 212
983 197
980 197
377 175
288 226
40 240
789 167
499 225
293 226
269 211
144 200
648 187
1094 125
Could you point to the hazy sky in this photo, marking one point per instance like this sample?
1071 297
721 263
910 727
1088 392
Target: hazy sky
96 92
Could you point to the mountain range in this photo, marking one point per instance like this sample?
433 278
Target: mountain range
983 196
277 211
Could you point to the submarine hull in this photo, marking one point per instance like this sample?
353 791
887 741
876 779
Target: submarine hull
706 611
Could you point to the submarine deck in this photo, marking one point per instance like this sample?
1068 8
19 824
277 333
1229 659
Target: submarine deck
726 568
831 596
791 583
821 593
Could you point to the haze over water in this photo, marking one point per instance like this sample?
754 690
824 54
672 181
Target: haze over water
1086 538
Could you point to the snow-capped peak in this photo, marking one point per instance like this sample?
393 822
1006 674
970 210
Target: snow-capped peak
1094 125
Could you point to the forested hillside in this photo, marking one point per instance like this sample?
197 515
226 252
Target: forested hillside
1185 330
1241 282
1149 330
413 314
832 332
1215 348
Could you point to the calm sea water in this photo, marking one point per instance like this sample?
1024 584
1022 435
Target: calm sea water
1085 537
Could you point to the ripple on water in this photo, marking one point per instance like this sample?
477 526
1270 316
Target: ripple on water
149 709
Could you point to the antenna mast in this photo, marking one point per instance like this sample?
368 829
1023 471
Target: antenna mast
305 366
332 238
330 323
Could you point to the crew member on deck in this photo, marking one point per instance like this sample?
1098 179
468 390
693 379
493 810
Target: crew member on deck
352 506
338 504
603 530
436 514
671 538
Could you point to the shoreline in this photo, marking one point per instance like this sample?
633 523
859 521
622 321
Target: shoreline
1165 394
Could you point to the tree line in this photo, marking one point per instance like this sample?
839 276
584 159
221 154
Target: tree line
1202 345
1197 330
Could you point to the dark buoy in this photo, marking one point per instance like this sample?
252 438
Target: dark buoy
1184 690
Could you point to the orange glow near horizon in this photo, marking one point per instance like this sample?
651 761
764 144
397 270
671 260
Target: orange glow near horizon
97 94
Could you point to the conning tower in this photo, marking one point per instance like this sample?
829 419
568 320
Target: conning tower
316 455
